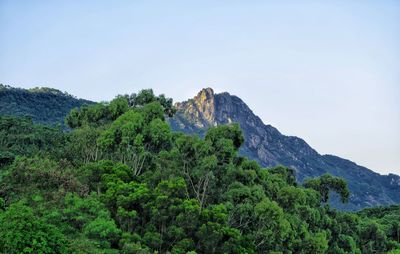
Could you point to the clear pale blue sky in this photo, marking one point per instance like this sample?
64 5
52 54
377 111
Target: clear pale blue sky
327 71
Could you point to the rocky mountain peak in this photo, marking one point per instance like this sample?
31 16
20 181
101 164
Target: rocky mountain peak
208 109
201 109
269 147
205 104
205 94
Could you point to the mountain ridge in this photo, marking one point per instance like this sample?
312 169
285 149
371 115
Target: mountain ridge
44 105
265 144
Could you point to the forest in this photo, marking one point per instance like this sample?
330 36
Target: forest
119 180
44 105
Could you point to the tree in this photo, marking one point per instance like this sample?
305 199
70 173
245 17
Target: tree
158 136
117 107
104 230
271 228
83 147
372 238
22 232
121 181
325 183
286 173
147 96
230 132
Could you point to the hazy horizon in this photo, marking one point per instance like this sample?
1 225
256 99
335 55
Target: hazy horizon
325 72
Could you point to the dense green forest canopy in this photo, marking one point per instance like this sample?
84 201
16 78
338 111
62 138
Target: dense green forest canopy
122 182
44 105
50 107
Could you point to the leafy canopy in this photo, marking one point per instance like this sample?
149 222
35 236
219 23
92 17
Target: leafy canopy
120 181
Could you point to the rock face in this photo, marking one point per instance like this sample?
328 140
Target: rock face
269 147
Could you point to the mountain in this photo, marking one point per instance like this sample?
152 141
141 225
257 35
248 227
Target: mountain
269 147
121 181
263 143
43 105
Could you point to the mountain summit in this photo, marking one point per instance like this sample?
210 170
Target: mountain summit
201 109
269 147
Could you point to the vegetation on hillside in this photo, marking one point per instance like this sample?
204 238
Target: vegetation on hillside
44 105
122 182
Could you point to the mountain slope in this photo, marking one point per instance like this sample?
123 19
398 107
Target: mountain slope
269 147
263 143
43 105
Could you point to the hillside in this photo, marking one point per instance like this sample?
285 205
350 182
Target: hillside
121 181
269 147
43 105
263 143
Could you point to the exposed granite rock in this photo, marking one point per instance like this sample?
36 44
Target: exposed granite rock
269 147
201 109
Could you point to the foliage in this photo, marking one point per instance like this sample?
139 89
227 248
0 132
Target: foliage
102 113
42 105
19 136
147 96
22 232
325 183
122 182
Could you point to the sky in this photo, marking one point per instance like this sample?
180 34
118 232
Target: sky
326 71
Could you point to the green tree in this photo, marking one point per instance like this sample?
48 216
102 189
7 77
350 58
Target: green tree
121 181
325 183
230 132
271 227
22 232
147 96
372 238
